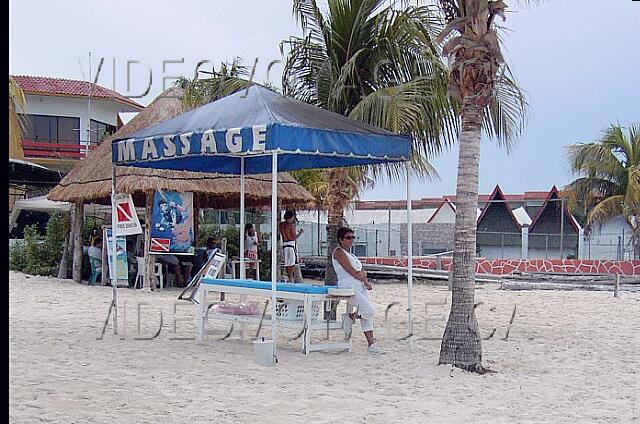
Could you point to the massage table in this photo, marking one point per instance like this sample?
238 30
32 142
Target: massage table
306 293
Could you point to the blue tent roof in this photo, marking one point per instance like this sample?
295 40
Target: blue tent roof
253 123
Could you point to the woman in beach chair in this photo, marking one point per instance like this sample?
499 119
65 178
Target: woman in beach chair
351 275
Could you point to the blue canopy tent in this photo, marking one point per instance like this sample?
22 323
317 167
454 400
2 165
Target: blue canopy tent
259 131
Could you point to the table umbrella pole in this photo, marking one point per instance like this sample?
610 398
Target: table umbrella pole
409 259
274 240
243 271
112 269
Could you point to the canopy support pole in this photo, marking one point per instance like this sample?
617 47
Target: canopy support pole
243 271
409 261
112 271
274 241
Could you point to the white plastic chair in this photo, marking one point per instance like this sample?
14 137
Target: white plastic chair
140 274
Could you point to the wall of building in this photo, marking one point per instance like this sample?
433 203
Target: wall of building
609 240
101 110
444 215
428 238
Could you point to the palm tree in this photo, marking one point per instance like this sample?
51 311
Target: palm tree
376 64
370 61
608 172
475 69
17 104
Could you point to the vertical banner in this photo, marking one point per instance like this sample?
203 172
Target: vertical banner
172 223
121 271
127 222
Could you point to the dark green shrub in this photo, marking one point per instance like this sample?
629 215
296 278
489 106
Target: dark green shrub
40 255
232 235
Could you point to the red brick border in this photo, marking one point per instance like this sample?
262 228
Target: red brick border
507 266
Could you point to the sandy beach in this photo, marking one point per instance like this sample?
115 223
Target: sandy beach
570 357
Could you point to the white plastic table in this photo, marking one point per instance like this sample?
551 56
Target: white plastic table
307 324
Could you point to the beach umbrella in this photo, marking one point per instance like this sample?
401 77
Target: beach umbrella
259 131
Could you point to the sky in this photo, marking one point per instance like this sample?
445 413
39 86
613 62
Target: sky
577 60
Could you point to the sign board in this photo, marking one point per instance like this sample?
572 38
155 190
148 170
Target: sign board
172 223
214 265
211 269
121 271
127 222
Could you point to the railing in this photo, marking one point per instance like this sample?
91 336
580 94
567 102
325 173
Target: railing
38 149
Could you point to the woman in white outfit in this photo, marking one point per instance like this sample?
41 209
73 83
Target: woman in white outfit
351 275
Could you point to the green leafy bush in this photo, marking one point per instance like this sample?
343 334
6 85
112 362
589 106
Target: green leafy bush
39 255
232 234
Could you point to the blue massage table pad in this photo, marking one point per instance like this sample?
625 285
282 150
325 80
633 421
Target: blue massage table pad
266 285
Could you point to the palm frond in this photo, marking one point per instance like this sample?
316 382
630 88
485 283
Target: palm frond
228 79
17 121
505 117
609 174
607 209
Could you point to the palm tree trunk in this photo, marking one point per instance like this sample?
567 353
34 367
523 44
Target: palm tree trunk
461 345
337 201
335 221
78 224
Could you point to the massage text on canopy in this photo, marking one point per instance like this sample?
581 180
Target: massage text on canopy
230 141
340 147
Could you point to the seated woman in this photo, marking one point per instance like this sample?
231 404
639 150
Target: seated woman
351 275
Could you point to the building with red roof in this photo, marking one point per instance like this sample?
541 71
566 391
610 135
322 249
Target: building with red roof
66 118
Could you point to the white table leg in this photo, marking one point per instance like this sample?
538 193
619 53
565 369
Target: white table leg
201 311
243 325
307 325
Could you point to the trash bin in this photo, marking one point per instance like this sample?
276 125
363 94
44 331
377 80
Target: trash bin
263 350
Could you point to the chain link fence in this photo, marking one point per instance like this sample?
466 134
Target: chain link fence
386 239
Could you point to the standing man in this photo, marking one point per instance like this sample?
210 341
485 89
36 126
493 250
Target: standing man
287 230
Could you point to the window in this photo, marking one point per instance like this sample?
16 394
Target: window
100 130
52 129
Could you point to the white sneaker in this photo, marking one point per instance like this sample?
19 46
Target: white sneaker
374 349
347 325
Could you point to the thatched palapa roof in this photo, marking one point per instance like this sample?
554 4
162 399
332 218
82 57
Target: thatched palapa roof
90 180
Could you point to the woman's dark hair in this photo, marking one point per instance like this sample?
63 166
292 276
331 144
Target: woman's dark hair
289 214
343 232
247 227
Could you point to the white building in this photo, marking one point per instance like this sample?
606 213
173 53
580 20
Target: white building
67 117
609 240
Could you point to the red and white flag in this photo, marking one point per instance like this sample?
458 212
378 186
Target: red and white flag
127 222
160 245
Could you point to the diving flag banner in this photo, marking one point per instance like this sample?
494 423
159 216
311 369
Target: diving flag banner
160 245
127 222
172 223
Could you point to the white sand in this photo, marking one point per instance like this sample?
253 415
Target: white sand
570 357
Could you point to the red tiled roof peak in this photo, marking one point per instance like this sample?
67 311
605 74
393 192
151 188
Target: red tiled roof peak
68 87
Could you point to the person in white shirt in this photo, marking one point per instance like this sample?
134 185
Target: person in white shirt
251 248
351 275
95 251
